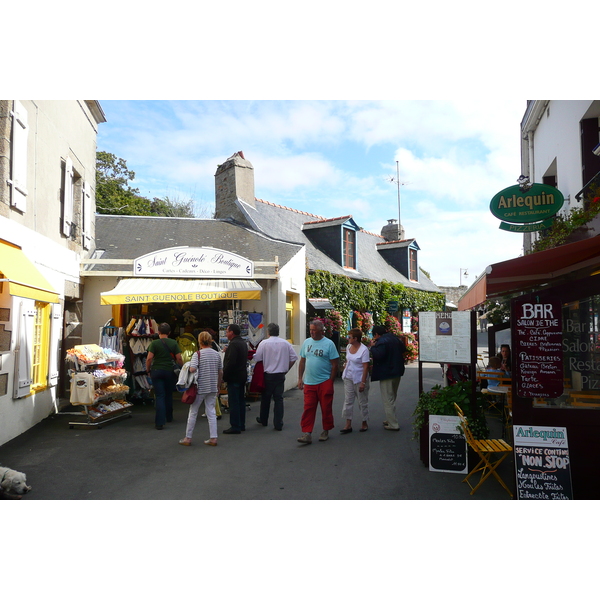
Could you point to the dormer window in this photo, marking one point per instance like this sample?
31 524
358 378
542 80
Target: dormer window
336 238
403 255
349 251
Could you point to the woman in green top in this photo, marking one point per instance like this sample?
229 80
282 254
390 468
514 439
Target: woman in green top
159 365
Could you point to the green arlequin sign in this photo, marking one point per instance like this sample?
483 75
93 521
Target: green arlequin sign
539 202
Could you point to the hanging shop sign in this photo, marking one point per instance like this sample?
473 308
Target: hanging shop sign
542 463
188 262
528 227
538 347
533 205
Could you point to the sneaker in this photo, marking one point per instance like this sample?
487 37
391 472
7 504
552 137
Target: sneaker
305 439
324 436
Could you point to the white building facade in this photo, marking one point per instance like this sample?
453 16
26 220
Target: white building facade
47 206
558 138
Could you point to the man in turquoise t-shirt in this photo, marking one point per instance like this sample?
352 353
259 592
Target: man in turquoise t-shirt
317 370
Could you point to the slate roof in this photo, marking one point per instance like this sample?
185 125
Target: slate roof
130 237
282 223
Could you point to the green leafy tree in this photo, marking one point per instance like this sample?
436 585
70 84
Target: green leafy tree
165 207
115 195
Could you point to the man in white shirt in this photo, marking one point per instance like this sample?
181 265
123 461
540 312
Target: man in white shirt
278 356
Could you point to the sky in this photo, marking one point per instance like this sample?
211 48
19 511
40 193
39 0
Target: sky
334 158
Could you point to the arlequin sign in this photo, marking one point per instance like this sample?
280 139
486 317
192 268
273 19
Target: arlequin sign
514 205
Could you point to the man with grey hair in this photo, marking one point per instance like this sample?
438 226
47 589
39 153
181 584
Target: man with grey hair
278 356
317 371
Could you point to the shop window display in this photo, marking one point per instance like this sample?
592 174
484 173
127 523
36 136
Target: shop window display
581 356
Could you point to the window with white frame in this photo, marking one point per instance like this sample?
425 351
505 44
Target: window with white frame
18 157
73 200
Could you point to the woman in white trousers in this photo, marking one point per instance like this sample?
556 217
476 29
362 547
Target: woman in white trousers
356 380
208 365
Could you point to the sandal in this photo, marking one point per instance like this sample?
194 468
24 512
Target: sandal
184 443
209 443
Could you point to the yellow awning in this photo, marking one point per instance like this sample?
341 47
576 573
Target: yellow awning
23 277
145 291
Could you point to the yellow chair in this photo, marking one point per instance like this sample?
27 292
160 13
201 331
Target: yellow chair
485 449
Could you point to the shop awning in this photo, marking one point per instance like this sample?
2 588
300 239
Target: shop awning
23 277
145 291
571 261
474 296
321 303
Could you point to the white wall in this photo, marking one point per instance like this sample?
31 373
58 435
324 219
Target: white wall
58 265
558 137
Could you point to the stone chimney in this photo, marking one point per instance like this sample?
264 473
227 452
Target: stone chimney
392 231
234 180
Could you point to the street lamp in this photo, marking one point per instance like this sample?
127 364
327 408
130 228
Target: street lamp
465 273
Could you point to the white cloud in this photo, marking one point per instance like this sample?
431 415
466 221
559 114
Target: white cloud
333 158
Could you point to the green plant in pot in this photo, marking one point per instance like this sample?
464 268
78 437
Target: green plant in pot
440 401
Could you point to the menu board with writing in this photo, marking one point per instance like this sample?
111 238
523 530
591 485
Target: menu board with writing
537 347
445 337
447 445
542 463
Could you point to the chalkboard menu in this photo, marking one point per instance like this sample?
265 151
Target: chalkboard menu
447 445
542 463
537 347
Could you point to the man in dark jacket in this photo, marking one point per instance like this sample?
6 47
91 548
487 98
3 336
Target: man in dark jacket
235 374
388 353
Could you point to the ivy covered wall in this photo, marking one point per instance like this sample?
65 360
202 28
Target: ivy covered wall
347 294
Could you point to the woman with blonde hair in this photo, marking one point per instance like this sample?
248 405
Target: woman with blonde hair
208 365
356 380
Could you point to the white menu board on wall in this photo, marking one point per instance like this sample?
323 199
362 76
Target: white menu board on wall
445 337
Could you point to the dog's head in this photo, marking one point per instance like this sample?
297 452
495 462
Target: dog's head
14 482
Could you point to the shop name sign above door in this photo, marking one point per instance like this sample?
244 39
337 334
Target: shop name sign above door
189 262
533 204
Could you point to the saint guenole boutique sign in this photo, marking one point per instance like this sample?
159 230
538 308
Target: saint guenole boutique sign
188 262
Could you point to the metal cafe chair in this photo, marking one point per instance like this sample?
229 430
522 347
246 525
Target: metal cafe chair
497 389
491 453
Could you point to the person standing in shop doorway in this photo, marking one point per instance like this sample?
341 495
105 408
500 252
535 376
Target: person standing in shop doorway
387 351
317 371
278 356
235 374
163 355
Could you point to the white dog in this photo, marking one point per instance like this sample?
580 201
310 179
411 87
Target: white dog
13 482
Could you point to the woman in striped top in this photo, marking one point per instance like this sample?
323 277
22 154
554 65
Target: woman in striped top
208 365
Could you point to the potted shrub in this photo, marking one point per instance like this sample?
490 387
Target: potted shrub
440 401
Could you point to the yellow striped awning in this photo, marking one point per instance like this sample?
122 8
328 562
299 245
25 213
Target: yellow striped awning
23 277
145 291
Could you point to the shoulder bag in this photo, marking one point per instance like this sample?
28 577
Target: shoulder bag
189 396
176 367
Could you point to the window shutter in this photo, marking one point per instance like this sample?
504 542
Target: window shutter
22 375
19 157
55 331
68 198
86 201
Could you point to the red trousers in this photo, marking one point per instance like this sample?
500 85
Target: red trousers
313 395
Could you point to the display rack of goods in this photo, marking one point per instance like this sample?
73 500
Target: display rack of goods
97 377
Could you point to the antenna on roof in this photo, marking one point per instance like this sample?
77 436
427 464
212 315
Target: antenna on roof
397 181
